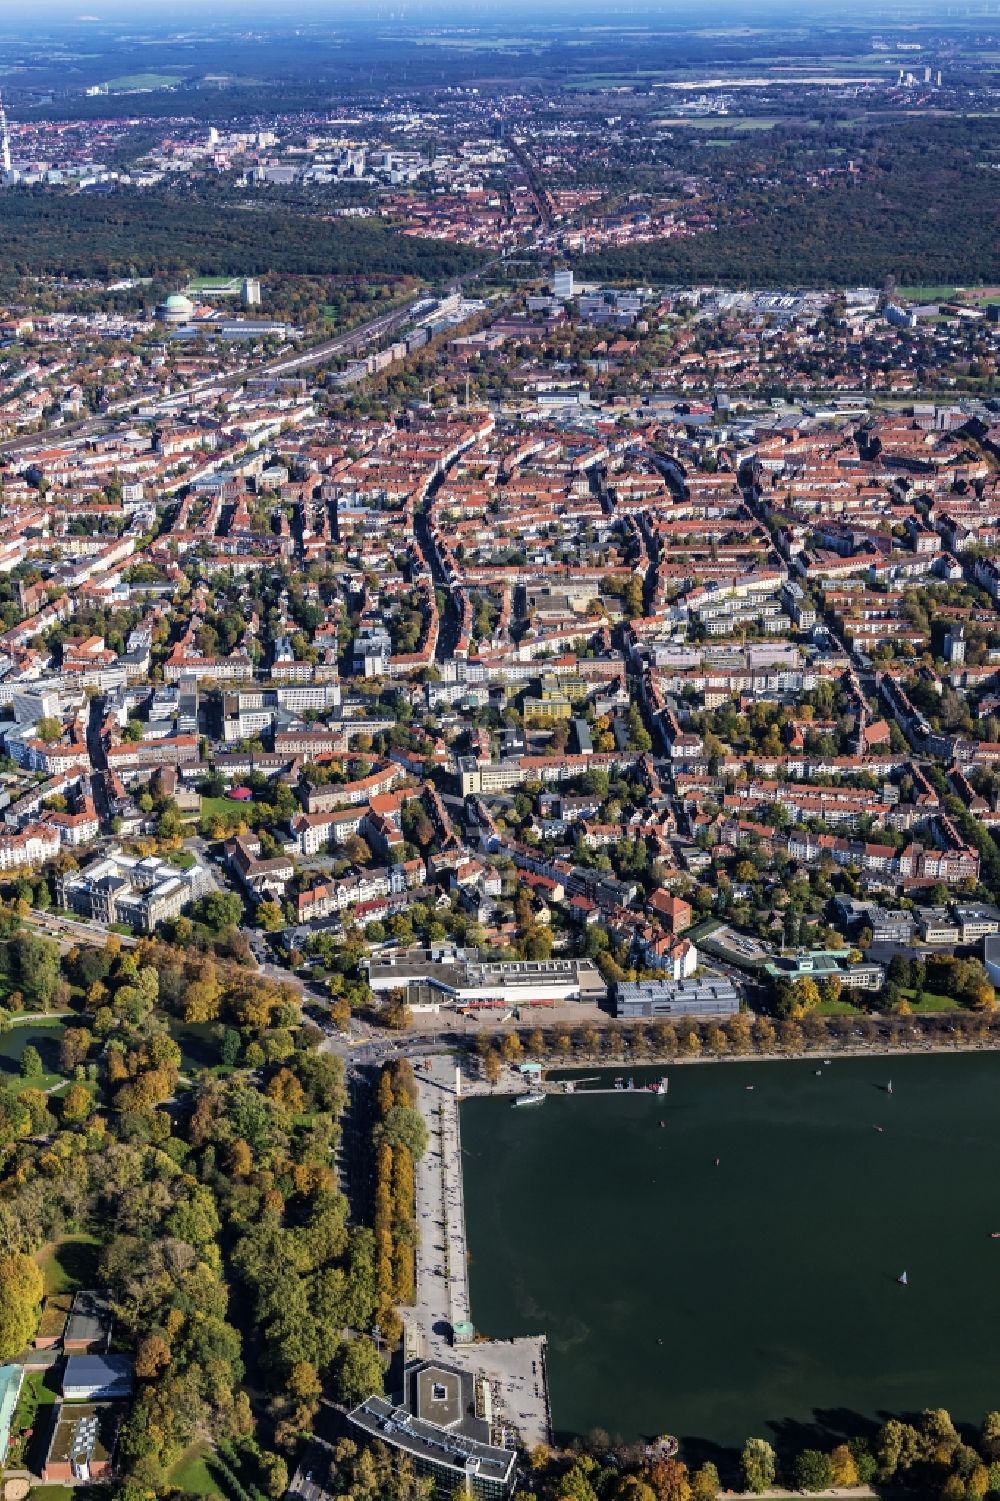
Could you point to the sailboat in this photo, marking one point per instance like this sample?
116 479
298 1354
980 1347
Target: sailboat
903 1280
888 1087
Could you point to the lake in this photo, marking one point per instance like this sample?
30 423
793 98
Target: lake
758 1296
44 1033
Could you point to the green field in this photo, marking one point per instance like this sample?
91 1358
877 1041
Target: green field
69 1263
221 806
926 294
838 1008
146 81
193 1472
931 1002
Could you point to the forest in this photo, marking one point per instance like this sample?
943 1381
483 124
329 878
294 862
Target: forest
209 1195
921 207
155 234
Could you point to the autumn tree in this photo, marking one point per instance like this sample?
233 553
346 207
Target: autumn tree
759 1465
21 1288
359 1373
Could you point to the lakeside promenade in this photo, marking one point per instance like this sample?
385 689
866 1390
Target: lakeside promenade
515 1369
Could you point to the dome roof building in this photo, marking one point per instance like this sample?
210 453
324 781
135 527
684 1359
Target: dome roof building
176 309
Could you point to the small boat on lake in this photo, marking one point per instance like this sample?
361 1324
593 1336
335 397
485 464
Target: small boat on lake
888 1087
903 1280
995 1235
662 1124
527 1099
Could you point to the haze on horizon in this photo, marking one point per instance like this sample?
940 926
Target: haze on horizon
452 12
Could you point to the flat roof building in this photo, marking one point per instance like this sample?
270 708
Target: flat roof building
464 978
712 996
83 1442
97 1378
438 1428
11 1377
89 1325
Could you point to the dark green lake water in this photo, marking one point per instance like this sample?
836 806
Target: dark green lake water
759 1296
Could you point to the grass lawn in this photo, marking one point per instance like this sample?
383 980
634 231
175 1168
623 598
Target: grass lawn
145 81
931 1002
69 1263
32 1422
927 294
838 1008
56 1492
229 809
194 1473
44 1034
35 1393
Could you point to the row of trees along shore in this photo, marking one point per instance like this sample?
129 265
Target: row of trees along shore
738 1036
928 1457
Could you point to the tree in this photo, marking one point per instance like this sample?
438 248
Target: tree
843 1469
37 969
73 1048
759 1465
274 1472
360 1371
151 1357
21 1288
897 1447
991 1435
705 1482
813 1470
31 1063
271 918
48 729
405 1125
218 910
77 1105
938 1435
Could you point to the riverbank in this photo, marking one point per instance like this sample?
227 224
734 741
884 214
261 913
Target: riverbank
515 1368
511 1082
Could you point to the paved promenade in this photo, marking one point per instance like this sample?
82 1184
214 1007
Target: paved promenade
515 1369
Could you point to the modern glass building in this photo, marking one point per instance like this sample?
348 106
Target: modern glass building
438 1429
